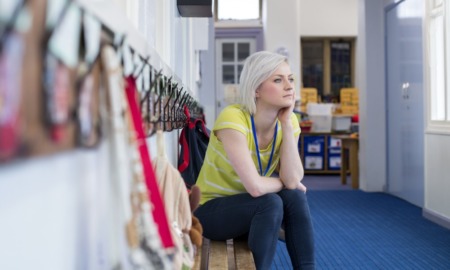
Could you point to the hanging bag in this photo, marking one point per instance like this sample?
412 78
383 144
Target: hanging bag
176 202
194 141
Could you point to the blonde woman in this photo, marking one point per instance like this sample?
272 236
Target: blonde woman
251 177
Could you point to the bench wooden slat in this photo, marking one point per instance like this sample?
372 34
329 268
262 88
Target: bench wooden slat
218 256
243 255
205 254
230 255
226 255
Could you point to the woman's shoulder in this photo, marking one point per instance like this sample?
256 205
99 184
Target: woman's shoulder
233 116
234 110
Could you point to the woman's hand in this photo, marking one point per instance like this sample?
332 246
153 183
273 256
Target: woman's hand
301 187
284 114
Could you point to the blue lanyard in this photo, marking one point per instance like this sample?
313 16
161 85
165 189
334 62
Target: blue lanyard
257 148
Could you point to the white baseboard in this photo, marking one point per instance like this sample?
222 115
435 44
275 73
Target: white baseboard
436 218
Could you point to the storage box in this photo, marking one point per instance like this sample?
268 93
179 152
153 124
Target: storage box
341 123
349 100
319 108
320 116
354 127
320 123
307 95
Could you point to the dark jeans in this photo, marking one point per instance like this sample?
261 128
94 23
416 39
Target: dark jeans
260 218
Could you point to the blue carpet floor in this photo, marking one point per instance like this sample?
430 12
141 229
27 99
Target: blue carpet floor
358 230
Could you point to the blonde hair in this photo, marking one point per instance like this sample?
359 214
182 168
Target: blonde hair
258 67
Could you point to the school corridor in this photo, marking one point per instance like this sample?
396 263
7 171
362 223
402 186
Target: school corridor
99 98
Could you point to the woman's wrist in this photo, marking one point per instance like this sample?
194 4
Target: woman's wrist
286 124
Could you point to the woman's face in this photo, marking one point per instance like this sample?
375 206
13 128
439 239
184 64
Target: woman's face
278 89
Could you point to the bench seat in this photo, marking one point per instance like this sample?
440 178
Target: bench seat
224 255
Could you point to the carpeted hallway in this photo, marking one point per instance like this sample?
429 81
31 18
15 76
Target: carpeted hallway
359 230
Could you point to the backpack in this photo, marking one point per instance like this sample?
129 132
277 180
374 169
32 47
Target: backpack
194 141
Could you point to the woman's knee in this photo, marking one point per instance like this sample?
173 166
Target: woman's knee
294 198
271 203
293 194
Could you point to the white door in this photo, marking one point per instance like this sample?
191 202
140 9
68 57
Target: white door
230 56
405 98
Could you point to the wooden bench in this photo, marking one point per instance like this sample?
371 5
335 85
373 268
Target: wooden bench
224 255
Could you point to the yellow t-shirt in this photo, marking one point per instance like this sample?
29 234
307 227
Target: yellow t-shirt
217 177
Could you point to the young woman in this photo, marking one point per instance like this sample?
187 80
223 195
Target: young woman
250 179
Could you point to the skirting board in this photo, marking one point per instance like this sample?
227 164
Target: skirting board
436 218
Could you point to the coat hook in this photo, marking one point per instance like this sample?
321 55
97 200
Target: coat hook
153 83
141 68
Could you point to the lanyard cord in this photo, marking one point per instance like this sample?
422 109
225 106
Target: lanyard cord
257 148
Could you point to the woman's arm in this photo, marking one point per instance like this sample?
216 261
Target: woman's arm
291 168
235 145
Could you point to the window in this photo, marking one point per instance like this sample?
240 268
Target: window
233 53
327 65
340 66
439 64
312 64
233 56
238 11
230 56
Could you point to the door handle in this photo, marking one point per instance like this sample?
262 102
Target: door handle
405 90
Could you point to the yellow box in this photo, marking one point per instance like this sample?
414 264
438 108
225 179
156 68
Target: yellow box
307 95
349 100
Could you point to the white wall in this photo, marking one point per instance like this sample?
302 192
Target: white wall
328 18
437 156
46 207
437 179
207 92
55 210
370 74
281 29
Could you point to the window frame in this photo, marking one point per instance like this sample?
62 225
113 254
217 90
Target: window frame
432 11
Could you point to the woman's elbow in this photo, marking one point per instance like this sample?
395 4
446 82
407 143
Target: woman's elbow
292 182
255 192
291 185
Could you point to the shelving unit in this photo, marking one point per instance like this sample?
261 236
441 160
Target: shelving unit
320 153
